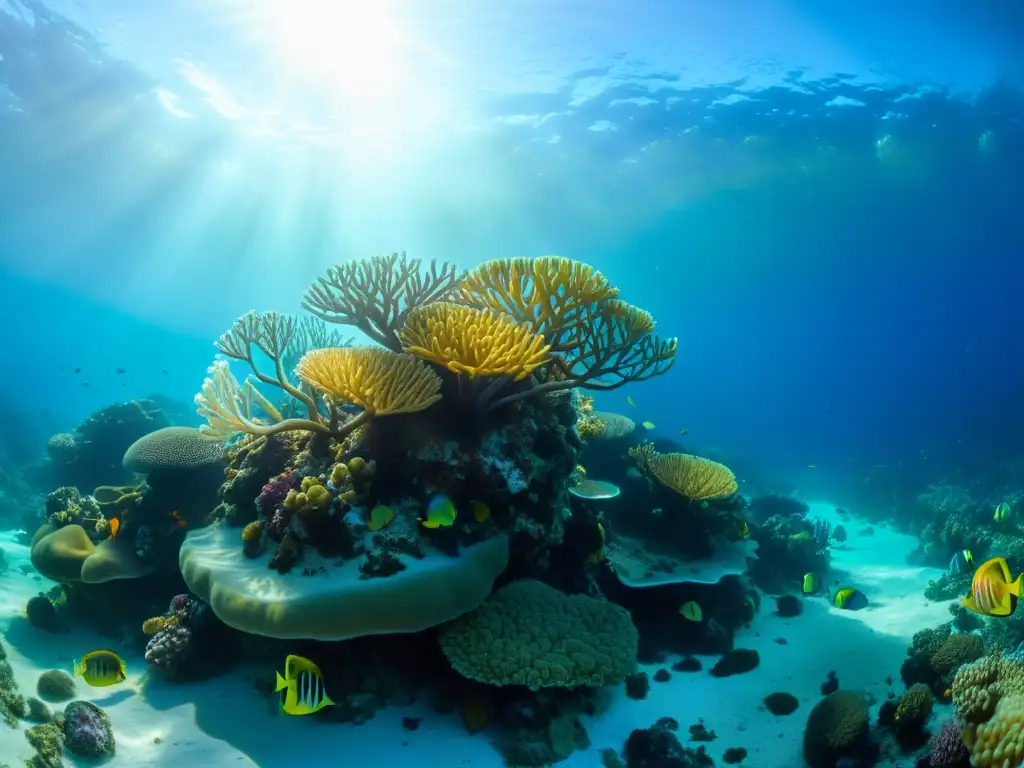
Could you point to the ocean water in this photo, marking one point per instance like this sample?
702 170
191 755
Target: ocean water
822 203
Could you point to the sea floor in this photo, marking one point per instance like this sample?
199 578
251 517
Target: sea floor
225 722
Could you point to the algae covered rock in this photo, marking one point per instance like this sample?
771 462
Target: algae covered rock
12 703
55 685
836 728
87 730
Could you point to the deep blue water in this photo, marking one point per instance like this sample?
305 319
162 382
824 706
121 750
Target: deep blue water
842 299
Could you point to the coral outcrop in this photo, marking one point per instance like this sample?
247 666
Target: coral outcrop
530 634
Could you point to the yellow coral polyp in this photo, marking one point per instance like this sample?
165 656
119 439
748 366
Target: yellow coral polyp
294 501
475 342
308 482
251 533
379 381
692 476
339 475
357 465
318 497
158 624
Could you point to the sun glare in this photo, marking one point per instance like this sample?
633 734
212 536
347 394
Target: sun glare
348 45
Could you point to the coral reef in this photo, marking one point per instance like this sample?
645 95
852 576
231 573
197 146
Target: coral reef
947 750
91 455
184 641
787 549
658 747
12 703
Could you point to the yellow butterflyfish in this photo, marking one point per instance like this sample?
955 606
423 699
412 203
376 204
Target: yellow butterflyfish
304 687
379 517
994 592
441 512
101 668
691 611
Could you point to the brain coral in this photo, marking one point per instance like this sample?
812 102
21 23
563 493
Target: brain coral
614 426
533 635
955 651
172 448
836 728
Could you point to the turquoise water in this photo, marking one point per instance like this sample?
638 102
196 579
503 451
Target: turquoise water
820 203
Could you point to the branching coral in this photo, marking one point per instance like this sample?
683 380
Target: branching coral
691 476
597 341
476 342
379 381
375 295
548 292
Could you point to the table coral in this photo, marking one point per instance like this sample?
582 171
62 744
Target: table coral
530 634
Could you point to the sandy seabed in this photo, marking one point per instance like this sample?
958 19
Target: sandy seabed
225 722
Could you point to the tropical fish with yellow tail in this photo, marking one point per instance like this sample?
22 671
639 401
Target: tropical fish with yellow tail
441 512
380 517
303 684
811 583
691 611
1002 512
848 599
994 591
101 668
481 512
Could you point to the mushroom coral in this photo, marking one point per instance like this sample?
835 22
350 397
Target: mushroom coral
67 554
530 634
246 594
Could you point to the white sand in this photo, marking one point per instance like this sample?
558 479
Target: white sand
224 722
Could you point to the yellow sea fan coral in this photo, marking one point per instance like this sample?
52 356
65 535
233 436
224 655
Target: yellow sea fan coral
158 624
477 342
692 476
546 292
379 381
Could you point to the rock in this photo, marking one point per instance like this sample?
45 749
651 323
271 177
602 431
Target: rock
87 730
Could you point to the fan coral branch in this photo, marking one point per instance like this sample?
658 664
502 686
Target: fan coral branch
692 476
375 295
473 341
272 333
227 407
